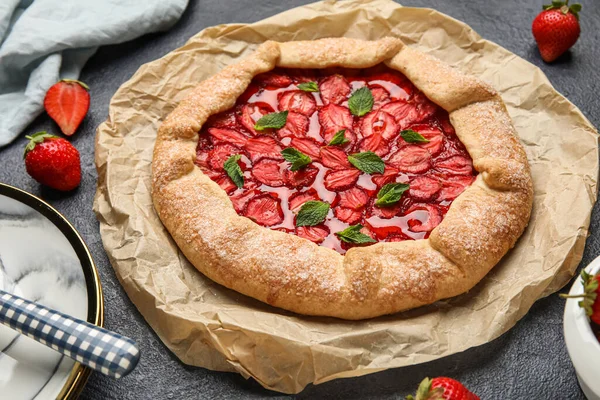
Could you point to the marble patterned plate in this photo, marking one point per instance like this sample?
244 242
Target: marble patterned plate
43 258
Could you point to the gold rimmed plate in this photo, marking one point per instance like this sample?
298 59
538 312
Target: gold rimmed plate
44 259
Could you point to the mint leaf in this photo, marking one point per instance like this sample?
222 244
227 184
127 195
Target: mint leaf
312 213
309 86
339 138
411 136
352 234
367 162
361 101
297 158
274 120
234 171
390 194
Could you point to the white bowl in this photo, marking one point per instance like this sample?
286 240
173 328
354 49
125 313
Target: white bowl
582 345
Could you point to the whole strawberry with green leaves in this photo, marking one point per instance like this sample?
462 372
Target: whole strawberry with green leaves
52 161
556 29
442 388
590 299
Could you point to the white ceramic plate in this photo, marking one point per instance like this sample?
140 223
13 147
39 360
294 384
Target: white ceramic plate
43 258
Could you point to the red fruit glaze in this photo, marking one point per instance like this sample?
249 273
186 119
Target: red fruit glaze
437 171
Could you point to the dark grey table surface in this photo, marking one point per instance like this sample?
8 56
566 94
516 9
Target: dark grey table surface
530 361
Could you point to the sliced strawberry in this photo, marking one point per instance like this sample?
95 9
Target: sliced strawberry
303 177
444 120
263 147
252 113
334 89
297 199
334 157
298 101
456 165
427 217
334 118
376 144
201 158
433 134
302 75
347 215
403 112
380 96
214 175
379 122
353 198
274 79
315 234
222 120
396 77
239 200
398 237
67 102
295 125
268 172
226 184
425 108
412 159
341 179
389 175
307 146
264 210
227 136
424 188
386 212
453 186
220 154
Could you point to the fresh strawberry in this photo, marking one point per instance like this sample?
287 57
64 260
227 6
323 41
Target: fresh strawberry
341 179
424 188
219 154
455 165
590 299
334 158
229 136
67 102
296 125
380 96
315 234
297 199
425 108
252 113
226 184
223 120
304 177
556 29
307 146
297 101
418 223
263 147
375 143
353 198
334 118
442 388
240 200
412 159
52 161
434 135
268 172
379 122
334 89
347 215
389 175
265 210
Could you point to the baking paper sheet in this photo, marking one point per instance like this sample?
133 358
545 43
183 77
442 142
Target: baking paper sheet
210 326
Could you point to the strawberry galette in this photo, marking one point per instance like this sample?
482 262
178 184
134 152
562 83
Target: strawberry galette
342 177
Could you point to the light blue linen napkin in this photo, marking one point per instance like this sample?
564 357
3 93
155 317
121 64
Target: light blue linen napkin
43 41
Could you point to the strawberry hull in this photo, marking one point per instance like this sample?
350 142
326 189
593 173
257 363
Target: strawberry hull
438 169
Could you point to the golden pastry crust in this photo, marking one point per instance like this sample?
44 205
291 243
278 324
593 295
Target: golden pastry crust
290 272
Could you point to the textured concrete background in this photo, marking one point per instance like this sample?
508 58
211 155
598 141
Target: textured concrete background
530 361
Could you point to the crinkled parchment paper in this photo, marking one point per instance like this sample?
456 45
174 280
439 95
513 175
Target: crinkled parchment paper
207 325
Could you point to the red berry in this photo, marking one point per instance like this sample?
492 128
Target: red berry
556 29
442 388
67 102
52 161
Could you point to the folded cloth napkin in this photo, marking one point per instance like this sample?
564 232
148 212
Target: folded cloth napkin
43 41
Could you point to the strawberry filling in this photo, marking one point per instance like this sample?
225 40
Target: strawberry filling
437 171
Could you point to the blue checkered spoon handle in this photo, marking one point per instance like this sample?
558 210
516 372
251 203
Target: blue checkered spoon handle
104 351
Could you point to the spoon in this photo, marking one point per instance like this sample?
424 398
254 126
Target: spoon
104 351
